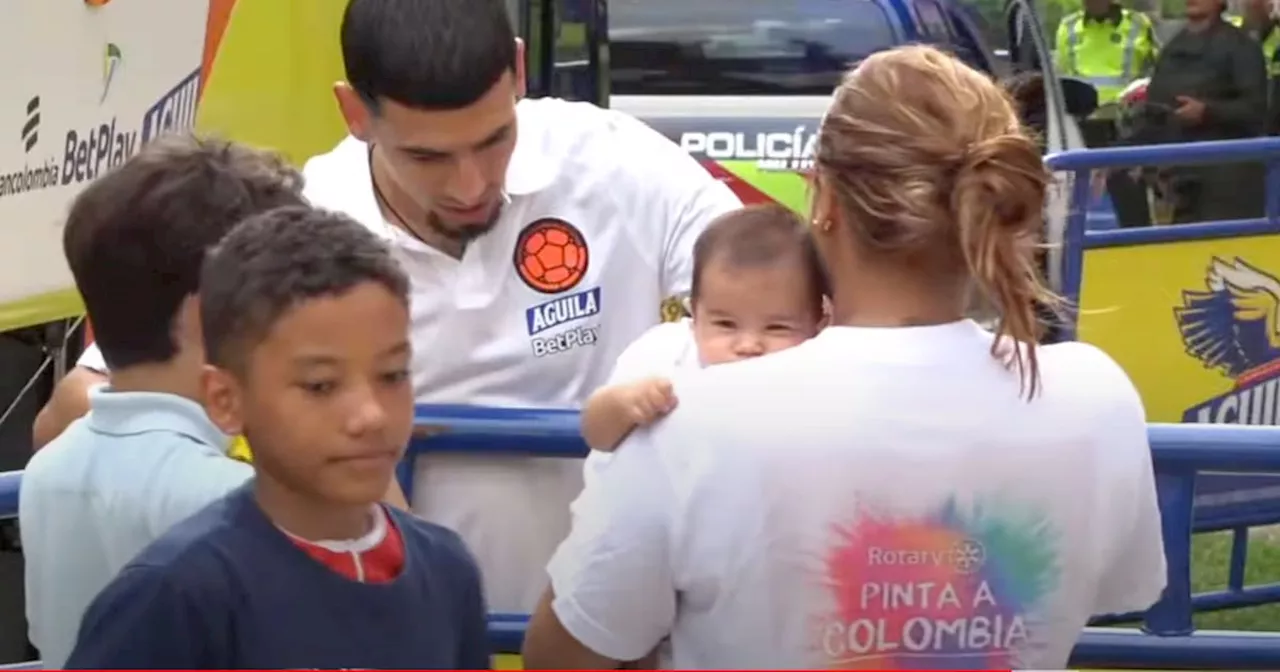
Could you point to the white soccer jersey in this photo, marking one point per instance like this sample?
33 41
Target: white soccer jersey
870 499
600 228
91 358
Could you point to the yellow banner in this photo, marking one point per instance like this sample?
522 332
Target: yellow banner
1196 324
269 73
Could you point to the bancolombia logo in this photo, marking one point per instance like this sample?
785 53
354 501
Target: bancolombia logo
87 153
29 178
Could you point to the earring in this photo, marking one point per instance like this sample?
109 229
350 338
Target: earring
823 226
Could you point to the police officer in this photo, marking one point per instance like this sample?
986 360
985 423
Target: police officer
1108 46
1210 83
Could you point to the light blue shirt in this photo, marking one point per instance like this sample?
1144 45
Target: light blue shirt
107 487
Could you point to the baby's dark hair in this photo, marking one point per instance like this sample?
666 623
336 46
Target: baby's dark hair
760 235
272 262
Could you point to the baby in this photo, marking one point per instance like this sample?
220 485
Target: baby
758 287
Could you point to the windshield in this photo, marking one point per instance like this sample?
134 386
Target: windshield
740 47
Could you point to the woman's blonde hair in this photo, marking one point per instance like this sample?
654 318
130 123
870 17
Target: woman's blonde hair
928 162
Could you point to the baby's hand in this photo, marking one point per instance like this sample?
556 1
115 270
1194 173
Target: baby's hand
647 400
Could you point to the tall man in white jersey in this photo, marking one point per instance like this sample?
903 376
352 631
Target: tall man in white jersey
541 237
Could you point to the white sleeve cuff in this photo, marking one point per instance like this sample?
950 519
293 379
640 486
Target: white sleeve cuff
590 634
93 360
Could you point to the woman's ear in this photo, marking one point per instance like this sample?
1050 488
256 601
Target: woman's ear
822 206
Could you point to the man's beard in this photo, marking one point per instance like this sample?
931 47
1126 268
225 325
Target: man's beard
463 233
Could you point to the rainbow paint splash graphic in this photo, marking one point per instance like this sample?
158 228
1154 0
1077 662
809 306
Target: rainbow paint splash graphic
947 591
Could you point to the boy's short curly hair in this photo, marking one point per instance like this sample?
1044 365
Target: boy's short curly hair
276 260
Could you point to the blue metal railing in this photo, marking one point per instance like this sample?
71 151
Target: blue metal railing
1081 162
1180 451
1226 501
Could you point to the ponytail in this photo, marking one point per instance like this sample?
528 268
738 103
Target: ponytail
998 203
929 162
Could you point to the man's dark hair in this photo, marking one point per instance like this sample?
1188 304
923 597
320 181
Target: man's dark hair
135 237
755 236
426 54
274 261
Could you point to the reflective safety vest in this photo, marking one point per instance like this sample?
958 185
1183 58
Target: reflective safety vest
1106 54
1269 46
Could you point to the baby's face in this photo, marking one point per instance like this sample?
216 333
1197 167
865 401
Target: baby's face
741 313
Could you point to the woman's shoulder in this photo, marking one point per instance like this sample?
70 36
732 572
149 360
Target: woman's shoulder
665 338
1084 370
1078 354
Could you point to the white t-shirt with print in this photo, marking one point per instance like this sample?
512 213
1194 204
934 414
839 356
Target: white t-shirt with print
879 498
662 351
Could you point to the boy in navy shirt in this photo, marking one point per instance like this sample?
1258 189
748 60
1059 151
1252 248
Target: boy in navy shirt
306 320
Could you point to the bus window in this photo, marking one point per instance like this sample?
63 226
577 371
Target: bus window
933 20
968 40
741 47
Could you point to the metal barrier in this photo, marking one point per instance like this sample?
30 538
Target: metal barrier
1224 501
1180 451
1081 162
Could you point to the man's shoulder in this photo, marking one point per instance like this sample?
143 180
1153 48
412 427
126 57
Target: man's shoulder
1229 32
577 134
567 118
339 180
91 358
348 150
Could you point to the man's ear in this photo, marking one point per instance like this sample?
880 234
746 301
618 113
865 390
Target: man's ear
355 111
223 400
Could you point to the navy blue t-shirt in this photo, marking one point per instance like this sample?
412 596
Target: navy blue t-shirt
227 589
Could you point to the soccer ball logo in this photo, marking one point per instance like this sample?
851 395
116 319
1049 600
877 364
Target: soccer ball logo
551 256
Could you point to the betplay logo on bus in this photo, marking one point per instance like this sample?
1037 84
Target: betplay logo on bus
90 151
1233 326
109 77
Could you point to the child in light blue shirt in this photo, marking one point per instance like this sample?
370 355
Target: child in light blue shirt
146 456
